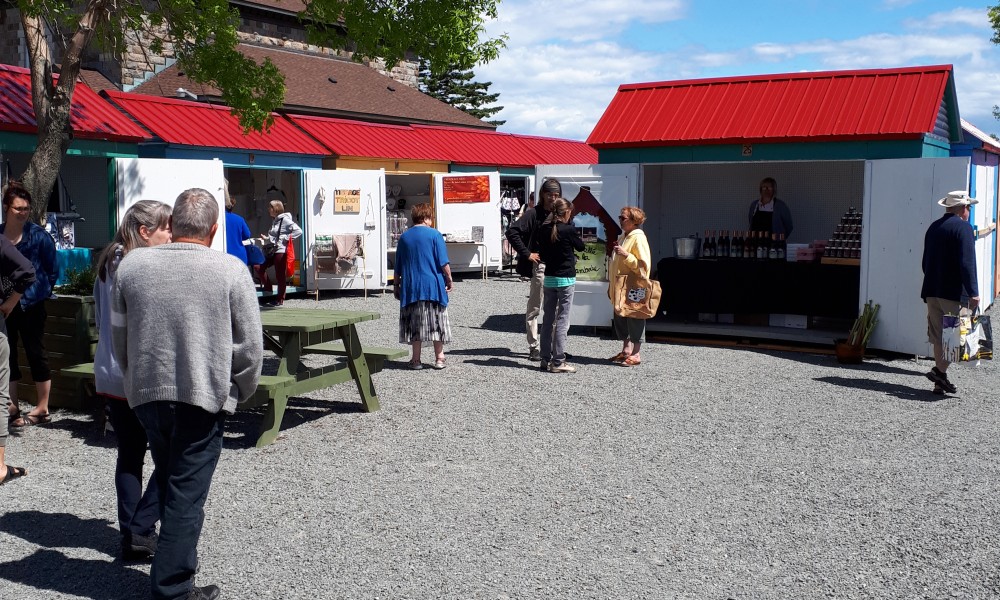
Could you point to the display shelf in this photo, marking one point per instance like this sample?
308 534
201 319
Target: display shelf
826 260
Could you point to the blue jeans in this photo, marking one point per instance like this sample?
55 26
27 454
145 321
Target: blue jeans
138 512
557 302
186 442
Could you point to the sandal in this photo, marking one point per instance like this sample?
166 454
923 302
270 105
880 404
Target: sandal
13 473
439 364
13 417
617 358
29 419
631 361
415 366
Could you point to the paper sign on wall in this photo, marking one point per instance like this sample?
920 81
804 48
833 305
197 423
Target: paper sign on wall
472 188
347 201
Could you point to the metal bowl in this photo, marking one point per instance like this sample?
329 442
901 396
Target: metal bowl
686 247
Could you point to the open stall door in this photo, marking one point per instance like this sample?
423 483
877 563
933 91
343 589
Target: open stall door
467 212
900 202
598 193
345 226
164 179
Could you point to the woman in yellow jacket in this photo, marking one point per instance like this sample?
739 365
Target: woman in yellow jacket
631 255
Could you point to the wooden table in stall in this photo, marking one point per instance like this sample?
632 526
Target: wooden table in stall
292 333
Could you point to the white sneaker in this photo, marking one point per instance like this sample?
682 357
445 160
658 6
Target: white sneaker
563 368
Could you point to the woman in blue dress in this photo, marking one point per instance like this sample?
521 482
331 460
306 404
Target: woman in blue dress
421 283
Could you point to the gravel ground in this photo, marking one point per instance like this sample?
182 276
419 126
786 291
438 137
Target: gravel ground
703 473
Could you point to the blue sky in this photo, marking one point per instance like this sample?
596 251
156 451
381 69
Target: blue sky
564 60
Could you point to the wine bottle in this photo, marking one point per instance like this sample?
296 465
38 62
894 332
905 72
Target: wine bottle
712 244
736 245
705 248
748 245
782 248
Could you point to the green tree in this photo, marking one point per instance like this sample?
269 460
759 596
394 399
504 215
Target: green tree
203 35
457 86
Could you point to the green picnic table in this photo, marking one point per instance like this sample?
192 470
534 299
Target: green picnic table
292 333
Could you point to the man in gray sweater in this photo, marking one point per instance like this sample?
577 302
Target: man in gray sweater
186 331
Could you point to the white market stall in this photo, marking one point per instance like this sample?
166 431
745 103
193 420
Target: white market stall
345 228
164 179
467 213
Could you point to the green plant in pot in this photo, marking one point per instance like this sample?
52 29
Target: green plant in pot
79 282
852 350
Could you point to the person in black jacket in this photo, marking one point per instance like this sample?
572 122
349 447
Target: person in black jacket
521 236
557 241
950 281
17 274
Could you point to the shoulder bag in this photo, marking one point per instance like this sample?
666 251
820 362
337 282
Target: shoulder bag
636 295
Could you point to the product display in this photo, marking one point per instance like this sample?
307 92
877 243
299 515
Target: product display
846 239
757 245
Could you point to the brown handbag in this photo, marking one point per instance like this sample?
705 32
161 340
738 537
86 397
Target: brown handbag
636 295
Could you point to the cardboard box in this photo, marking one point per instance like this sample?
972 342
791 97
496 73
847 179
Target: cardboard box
792 250
784 320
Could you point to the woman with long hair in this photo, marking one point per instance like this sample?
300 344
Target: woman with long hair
283 228
146 223
558 240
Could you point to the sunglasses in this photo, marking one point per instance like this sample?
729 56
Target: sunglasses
622 218
20 209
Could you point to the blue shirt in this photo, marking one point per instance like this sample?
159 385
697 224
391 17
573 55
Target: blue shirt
949 260
420 257
236 231
37 246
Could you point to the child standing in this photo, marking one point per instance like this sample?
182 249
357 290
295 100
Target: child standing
557 240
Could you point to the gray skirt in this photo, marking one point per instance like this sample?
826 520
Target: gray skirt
424 321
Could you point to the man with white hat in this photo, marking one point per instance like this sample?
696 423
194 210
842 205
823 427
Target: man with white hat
950 282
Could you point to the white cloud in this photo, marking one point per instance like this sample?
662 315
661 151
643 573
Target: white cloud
528 22
557 77
961 17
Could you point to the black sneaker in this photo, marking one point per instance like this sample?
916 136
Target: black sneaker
535 354
941 379
137 547
938 390
208 592
544 366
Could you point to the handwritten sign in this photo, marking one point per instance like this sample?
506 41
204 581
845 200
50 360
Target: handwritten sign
464 190
591 264
347 201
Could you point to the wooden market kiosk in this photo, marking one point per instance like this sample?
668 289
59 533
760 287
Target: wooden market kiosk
876 140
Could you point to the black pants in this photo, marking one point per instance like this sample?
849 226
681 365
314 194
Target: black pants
186 442
28 326
138 511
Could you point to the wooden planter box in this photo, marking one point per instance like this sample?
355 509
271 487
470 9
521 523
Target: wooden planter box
70 339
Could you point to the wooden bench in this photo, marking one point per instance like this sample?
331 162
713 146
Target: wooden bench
375 356
269 389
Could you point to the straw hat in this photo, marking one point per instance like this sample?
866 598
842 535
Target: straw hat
957 198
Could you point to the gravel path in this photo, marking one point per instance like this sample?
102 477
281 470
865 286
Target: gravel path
704 473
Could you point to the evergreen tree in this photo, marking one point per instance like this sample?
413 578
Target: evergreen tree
457 87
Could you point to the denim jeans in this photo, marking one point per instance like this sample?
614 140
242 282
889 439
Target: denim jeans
555 323
186 442
138 512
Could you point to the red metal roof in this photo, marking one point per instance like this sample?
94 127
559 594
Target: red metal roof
553 151
211 126
369 140
479 147
819 106
444 144
90 116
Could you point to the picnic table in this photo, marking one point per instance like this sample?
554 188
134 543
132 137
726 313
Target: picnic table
292 333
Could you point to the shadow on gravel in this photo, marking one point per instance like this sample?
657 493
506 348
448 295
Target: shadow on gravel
243 427
503 323
96 579
828 360
61 530
902 392
83 428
